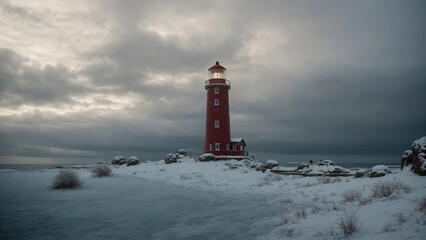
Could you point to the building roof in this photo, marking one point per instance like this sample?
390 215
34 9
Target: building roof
238 140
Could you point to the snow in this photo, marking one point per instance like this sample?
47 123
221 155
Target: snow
271 162
205 200
381 168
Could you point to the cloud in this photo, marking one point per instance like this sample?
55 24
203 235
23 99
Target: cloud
105 78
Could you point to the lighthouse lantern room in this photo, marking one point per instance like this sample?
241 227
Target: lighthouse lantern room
218 131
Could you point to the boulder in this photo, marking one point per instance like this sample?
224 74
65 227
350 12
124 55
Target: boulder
119 160
182 152
407 159
416 157
206 157
170 158
378 171
270 164
326 163
132 161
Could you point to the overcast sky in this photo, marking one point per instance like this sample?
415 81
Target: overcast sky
88 80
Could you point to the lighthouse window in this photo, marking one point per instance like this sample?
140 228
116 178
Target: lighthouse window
227 147
216 124
217 146
211 146
216 102
216 90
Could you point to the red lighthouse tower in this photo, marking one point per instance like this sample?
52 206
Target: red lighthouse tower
218 130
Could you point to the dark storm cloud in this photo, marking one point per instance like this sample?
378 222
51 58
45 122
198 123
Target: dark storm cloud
24 83
328 77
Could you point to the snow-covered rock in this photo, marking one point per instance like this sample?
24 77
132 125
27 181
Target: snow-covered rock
269 164
416 157
324 166
170 158
206 157
119 160
379 171
132 161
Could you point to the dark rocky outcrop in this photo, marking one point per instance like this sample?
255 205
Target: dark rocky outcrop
270 164
119 160
170 158
416 157
133 161
206 157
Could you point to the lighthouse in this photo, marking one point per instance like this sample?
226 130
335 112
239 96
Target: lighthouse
218 139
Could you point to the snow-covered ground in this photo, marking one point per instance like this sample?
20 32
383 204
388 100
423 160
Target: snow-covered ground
209 200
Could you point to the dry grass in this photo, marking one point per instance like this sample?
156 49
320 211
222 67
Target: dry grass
421 205
349 222
351 195
300 213
387 189
290 232
269 179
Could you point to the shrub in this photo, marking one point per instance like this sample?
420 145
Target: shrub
101 170
422 205
386 189
269 178
348 222
66 178
351 195
290 232
301 213
399 218
326 180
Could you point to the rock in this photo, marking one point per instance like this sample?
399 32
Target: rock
360 174
326 163
378 171
170 158
270 164
182 152
416 157
232 165
133 161
407 158
302 166
206 157
119 160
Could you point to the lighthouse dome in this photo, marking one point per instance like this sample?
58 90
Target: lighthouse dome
217 71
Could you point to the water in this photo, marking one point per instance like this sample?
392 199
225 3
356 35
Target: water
32 167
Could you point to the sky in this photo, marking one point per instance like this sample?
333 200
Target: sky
82 81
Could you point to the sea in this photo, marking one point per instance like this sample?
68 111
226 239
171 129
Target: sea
30 167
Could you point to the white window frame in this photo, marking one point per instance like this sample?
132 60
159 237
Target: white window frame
241 148
216 124
216 101
217 146
227 147
211 147
216 90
